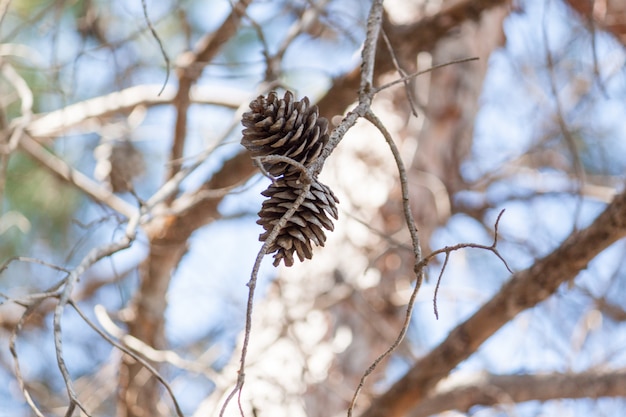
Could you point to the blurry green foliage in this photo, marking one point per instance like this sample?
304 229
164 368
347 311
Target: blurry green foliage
48 204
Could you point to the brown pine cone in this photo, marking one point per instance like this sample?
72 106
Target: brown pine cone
284 127
118 163
306 226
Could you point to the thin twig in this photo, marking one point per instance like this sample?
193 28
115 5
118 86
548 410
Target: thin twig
449 249
6 264
396 63
443 268
307 179
30 309
158 39
379 233
404 185
65 296
418 73
147 351
16 362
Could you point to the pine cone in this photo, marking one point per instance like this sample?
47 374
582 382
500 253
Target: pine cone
305 226
284 127
118 163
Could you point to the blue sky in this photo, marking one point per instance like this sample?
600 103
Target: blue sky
208 293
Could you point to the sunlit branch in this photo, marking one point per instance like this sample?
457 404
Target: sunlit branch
60 168
74 115
492 390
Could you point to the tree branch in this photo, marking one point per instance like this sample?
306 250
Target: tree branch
190 67
609 17
64 171
60 121
428 30
502 389
524 290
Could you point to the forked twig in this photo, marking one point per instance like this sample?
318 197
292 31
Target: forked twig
449 249
420 263
16 362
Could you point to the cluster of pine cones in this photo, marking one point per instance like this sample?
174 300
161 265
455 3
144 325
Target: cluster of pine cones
293 129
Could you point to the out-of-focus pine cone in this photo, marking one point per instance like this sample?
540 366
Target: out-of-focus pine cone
118 163
307 224
275 126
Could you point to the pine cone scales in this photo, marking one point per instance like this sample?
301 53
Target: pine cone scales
284 127
307 224
293 129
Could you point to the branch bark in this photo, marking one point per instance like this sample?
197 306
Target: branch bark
609 16
524 290
60 121
505 389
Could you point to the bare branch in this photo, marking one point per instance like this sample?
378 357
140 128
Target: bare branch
161 47
189 70
498 389
65 296
417 252
62 120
